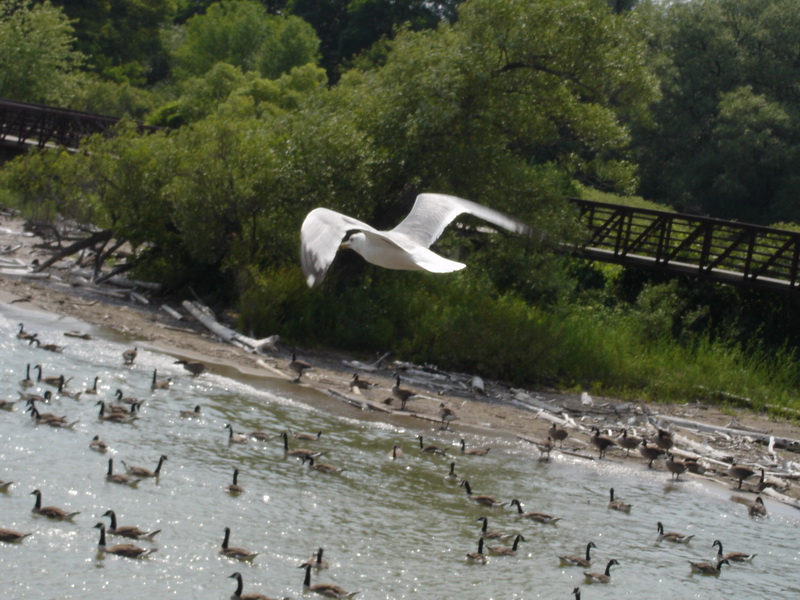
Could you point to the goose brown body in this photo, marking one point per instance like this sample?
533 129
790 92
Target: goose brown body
51 512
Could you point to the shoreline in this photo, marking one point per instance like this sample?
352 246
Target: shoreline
502 411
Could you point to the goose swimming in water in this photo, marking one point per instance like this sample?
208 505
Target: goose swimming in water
451 475
97 444
234 552
572 560
235 438
191 414
539 517
617 504
430 448
11 536
194 367
477 557
235 488
473 451
506 550
298 452
237 595
707 568
129 356
112 477
128 531
734 556
145 473
321 467
482 499
757 508
316 561
51 512
604 577
126 550
159 384
672 536
324 589
406 247
491 534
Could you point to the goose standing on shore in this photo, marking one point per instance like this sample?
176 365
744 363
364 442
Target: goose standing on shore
628 442
298 367
558 434
649 453
129 356
601 442
673 466
194 367
406 247
740 472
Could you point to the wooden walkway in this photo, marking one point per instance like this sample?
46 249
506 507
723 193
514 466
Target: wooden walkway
713 249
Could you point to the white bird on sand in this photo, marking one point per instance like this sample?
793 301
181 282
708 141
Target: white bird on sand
406 247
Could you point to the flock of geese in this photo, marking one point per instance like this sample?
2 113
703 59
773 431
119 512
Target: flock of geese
490 543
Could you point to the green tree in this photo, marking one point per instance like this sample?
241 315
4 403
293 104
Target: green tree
727 131
38 61
243 34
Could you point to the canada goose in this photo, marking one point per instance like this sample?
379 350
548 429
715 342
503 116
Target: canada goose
52 380
693 465
7 404
126 399
261 436
617 504
78 334
629 442
237 595
24 335
126 550
235 438
194 367
191 414
67 393
491 534
673 466
477 557
316 561
601 577
446 415
430 448
578 561
506 550
27 382
358 383
45 398
4 485
51 512
119 478
601 442
672 536
298 367
129 355
545 448
9 535
44 417
534 516
397 452
402 394
299 452
144 473
649 453
234 552
128 531
92 390
97 444
159 384
757 508
482 499
451 475
577 593
308 437
664 439
321 467
706 568
473 451
113 417
559 434
734 556
324 589
235 488
741 473
49 347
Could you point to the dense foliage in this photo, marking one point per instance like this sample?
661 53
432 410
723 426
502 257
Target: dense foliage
270 109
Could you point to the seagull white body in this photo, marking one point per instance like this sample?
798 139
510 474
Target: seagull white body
406 247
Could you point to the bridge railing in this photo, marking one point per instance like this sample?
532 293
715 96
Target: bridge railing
719 250
23 123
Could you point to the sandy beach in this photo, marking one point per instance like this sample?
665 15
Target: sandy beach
501 410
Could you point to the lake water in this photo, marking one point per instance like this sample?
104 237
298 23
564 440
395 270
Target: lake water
390 529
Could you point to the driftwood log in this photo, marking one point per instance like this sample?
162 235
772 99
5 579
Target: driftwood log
206 317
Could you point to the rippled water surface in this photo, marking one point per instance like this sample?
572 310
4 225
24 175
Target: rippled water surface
390 529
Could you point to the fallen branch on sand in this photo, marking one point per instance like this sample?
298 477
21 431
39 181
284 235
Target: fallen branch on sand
204 315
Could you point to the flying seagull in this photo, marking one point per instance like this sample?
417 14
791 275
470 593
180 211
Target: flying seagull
405 247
